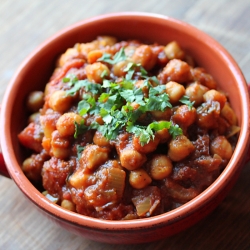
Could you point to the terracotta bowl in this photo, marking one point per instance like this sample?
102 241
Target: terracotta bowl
34 73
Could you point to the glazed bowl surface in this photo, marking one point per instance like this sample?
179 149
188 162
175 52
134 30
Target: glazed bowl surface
34 73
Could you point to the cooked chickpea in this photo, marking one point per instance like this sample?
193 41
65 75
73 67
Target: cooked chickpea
160 167
177 71
162 115
35 101
69 205
67 56
93 156
59 101
221 146
163 135
100 140
145 56
208 114
80 179
66 123
174 51
35 117
214 95
195 92
94 55
118 68
200 75
132 159
180 148
139 178
96 72
175 91
184 115
228 113
146 148
106 40
60 147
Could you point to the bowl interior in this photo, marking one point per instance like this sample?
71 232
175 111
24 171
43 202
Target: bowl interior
34 73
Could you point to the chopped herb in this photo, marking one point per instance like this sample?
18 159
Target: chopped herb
175 131
86 84
118 57
113 102
80 129
185 100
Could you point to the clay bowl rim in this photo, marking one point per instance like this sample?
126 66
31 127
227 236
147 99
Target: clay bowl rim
167 218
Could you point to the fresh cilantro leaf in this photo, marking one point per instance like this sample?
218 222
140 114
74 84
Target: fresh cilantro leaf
175 130
118 57
104 73
87 85
83 107
158 99
71 79
185 100
105 58
80 128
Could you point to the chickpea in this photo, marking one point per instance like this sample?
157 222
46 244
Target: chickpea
59 101
66 123
60 147
175 91
162 115
160 167
68 55
228 113
94 55
208 114
145 56
163 135
35 117
214 95
32 169
177 71
100 140
96 72
106 40
146 148
195 92
85 48
184 115
221 146
200 75
94 156
132 159
180 148
69 205
174 51
35 101
139 178
48 122
80 179
118 68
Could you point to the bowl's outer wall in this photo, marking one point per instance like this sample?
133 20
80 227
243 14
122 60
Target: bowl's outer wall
34 73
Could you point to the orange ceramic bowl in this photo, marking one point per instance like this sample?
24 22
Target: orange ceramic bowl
34 73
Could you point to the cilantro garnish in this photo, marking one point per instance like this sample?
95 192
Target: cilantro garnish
80 128
118 57
121 104
185 100
175 131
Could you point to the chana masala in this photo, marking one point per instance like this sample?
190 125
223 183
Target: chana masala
127 130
